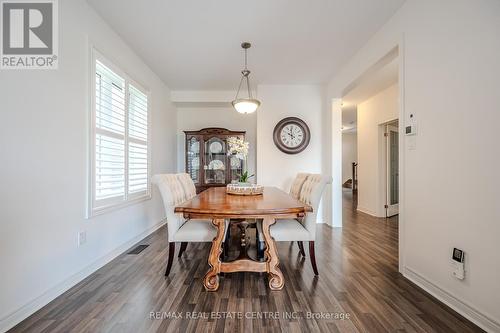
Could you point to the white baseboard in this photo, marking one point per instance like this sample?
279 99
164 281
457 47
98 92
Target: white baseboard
485 322
37 303
366 211
370 212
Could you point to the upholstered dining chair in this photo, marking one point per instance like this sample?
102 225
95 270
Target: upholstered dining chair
180 229
300 230
188 185
297 184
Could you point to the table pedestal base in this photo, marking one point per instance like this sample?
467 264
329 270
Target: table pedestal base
270 266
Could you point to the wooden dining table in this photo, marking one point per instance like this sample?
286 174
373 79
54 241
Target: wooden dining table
216 205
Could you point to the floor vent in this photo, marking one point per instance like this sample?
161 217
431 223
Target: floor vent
138 249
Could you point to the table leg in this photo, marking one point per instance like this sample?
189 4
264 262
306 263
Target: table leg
211 279
276 280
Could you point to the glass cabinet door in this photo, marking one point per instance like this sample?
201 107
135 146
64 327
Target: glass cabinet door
193 159
215 161
236 166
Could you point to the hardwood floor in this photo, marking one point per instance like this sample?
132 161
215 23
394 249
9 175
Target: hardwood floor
358 278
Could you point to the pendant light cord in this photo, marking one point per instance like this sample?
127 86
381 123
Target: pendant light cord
246 59
245 73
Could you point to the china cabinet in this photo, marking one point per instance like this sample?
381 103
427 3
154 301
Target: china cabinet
207 161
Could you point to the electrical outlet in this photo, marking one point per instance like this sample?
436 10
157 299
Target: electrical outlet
82 238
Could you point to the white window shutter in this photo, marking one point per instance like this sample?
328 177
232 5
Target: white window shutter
137 141
109 134
120 159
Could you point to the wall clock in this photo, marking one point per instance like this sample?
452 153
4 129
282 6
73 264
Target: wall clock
291 135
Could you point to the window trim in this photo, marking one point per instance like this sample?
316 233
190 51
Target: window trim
93 209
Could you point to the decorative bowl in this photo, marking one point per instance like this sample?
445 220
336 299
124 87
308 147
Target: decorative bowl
244 189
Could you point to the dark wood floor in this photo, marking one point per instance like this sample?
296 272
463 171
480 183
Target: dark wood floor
358 278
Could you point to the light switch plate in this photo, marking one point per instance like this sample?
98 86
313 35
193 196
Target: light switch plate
412 142
82 238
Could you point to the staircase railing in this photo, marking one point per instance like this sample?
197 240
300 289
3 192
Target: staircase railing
354 177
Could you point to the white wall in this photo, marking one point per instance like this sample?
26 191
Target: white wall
349 154
274 167
196 118
373 112
451 75
43 144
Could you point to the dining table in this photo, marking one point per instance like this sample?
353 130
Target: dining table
217 206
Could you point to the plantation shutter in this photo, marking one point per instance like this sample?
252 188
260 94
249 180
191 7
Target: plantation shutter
109 183
120 168
137 141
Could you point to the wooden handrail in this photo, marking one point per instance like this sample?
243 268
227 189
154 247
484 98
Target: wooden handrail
354 176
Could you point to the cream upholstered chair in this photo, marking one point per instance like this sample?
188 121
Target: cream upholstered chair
188 185
189 193
180 229
297 184
286 230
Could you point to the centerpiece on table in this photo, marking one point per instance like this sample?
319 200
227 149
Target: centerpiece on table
239 148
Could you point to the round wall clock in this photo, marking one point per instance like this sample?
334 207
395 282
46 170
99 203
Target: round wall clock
291 135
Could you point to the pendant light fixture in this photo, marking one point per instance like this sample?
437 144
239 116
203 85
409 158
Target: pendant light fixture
249 104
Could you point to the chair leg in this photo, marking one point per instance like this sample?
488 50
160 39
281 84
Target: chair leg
171 250
312 255
183 248
301 248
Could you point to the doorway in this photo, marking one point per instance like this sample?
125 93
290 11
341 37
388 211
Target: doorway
389 69
391 136
374 101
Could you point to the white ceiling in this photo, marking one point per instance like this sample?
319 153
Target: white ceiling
367 86
195 45
372 83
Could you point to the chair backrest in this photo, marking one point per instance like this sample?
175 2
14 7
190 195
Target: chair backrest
297 184
188 185
172 194
310 194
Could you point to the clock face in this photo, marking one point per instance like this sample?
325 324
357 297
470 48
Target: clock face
291 135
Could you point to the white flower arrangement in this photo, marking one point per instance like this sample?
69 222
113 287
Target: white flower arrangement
238 147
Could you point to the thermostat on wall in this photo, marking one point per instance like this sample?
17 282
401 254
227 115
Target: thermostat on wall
411 129
458 257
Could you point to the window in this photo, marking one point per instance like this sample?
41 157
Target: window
120 166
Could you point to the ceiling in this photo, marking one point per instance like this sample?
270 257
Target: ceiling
367 86
372 84
195 45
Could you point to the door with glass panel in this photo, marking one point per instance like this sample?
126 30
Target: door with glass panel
392 165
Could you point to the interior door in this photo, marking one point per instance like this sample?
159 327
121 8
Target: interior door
392 165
